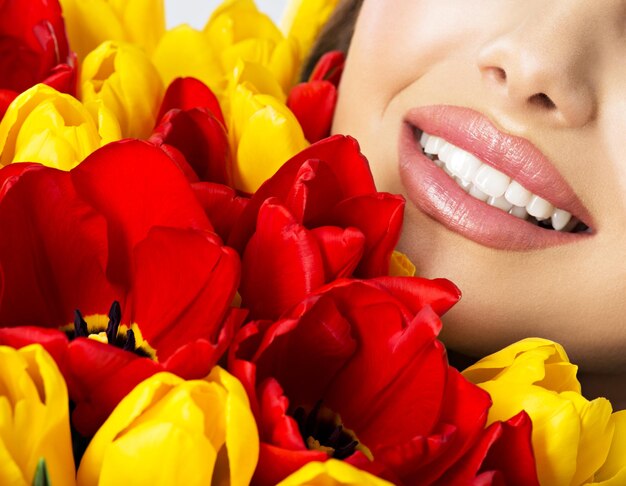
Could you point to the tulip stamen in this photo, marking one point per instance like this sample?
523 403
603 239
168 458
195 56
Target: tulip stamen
322 429
115 334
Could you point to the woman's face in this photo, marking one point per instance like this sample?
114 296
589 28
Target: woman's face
526 98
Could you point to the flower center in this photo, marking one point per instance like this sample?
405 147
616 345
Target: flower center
323 430
120 336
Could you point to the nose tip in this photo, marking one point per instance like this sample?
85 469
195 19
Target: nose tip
529 73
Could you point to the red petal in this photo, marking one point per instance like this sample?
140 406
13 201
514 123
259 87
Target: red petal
201 138
341 154
276 463
189 93
62 78
341 250
221 204
135 186
53 340
6 98
54 257
379 218
314 103
185 282
329 67
281 264
275 426
101 375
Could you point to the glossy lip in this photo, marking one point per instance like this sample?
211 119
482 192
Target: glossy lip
440 197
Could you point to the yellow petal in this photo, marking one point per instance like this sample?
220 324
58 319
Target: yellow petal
124 78
91 22
171 431
401 265
183 52
265 134
332 473
34 417
304 19
613 471
55 129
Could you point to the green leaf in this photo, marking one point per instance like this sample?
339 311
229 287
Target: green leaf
42 478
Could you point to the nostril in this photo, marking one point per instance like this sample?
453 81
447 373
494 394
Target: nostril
542 100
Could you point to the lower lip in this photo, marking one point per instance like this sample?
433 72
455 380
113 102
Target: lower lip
440 197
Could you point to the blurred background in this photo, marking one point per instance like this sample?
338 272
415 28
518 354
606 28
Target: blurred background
196 12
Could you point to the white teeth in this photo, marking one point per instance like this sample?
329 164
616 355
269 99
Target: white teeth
491 181
560 219
517 195
539 208
446 152
519 212
478 194
489 185
500 203
433 145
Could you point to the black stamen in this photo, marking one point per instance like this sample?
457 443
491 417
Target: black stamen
129 345
115 317
80 326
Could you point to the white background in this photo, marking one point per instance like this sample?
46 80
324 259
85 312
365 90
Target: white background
197 12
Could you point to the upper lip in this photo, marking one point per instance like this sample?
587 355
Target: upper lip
514 156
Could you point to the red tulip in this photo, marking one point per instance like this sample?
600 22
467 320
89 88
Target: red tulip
192 131
124 226
34 48
314 102
319 218
355 372
502 456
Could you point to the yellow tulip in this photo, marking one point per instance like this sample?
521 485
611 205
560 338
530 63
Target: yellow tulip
186 52
571 435
332 473
34 418
304 20
124 78
264 134
91 22
172 431
613 471
239 32
55 129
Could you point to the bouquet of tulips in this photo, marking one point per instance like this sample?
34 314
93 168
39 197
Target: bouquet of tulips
199 286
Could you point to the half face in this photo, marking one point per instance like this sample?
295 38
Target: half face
502 123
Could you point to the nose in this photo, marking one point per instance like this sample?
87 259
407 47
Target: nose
544 63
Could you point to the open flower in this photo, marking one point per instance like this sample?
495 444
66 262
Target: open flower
34 417
33 48
571 435
318 219
126 227
54 129
122 76
171 431
91 22
332 473
355 372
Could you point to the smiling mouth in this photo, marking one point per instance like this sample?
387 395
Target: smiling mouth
490 186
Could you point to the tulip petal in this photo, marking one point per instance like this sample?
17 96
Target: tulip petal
313 104
188 93
222 206
332 473
195 288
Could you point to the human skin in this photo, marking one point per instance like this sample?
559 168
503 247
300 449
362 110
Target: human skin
552 73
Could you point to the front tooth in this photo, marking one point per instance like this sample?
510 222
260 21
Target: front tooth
491 181
500 203
539 208
560 219
446 152
519 212
433 145
466 185
517 194
477 193
424 139
464 165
